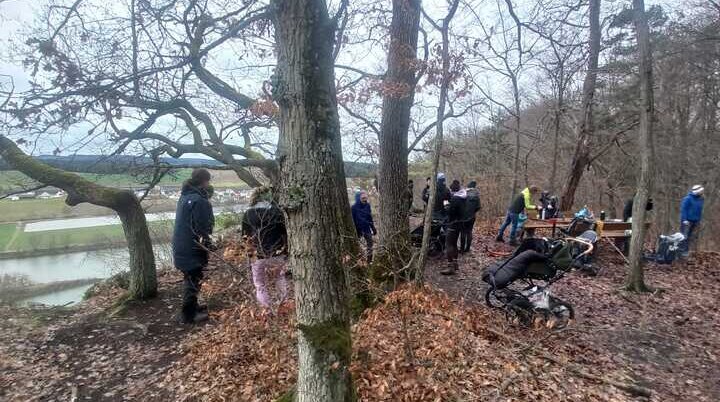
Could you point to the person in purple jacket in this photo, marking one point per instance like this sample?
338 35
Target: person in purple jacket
691 210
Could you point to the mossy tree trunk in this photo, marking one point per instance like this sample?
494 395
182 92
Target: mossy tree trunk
398 98
143 280
313 195
646 145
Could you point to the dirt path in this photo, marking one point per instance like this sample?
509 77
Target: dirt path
91 354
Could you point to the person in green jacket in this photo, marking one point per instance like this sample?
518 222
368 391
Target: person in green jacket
519 204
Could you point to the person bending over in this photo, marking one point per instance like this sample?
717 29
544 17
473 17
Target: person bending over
264 225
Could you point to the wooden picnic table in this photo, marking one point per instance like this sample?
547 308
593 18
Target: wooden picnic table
611 229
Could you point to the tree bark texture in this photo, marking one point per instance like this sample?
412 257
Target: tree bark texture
636 274
398 98
581 157
313 195
143 280
444 87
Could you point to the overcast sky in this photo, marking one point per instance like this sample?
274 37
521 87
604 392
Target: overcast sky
17 15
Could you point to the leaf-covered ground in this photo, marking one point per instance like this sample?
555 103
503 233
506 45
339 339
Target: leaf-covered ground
436 343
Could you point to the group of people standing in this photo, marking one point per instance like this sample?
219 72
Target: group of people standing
456 208
263 224
691 208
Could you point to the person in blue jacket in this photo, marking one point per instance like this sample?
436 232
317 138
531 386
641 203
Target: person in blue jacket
194 221
691 210
364 225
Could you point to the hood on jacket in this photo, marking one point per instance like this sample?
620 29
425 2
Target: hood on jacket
190 189
462 193
357 196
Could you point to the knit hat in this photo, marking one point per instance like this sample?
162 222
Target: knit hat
441 176
697 189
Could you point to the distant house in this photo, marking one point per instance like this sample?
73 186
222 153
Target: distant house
26 196
44 195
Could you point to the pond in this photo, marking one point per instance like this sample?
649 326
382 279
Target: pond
66 267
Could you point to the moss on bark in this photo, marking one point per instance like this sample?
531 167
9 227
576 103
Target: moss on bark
330 337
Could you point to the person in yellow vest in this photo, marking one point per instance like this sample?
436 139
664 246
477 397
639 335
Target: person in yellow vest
519 204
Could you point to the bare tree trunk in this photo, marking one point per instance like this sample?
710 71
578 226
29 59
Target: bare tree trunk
314 198
516 162
143 280
636 274
444 86
398 99
581 158
556 130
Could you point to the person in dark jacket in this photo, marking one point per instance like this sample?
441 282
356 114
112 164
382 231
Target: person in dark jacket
426 192
519 204
549 205
409 194
442 195
194 221
364 225
264 225
627 210
472 206
455 222
691 209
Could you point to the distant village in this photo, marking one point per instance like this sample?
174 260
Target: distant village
221 196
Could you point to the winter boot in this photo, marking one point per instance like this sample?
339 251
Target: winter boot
450 269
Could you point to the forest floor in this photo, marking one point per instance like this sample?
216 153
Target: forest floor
436 343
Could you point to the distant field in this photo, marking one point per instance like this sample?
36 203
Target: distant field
59 239
36 209
55 208
11 179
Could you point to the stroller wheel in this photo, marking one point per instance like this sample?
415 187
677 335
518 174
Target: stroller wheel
434 249
562 313
492 299
519 312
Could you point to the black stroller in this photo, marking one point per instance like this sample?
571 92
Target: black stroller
437 237
512 281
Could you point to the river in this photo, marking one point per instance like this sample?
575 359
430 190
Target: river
65 267
80 265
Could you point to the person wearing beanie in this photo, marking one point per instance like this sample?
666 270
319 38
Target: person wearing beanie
194 221
472 206
691 209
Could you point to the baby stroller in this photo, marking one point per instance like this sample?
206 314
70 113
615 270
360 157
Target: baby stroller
437 237
512 282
